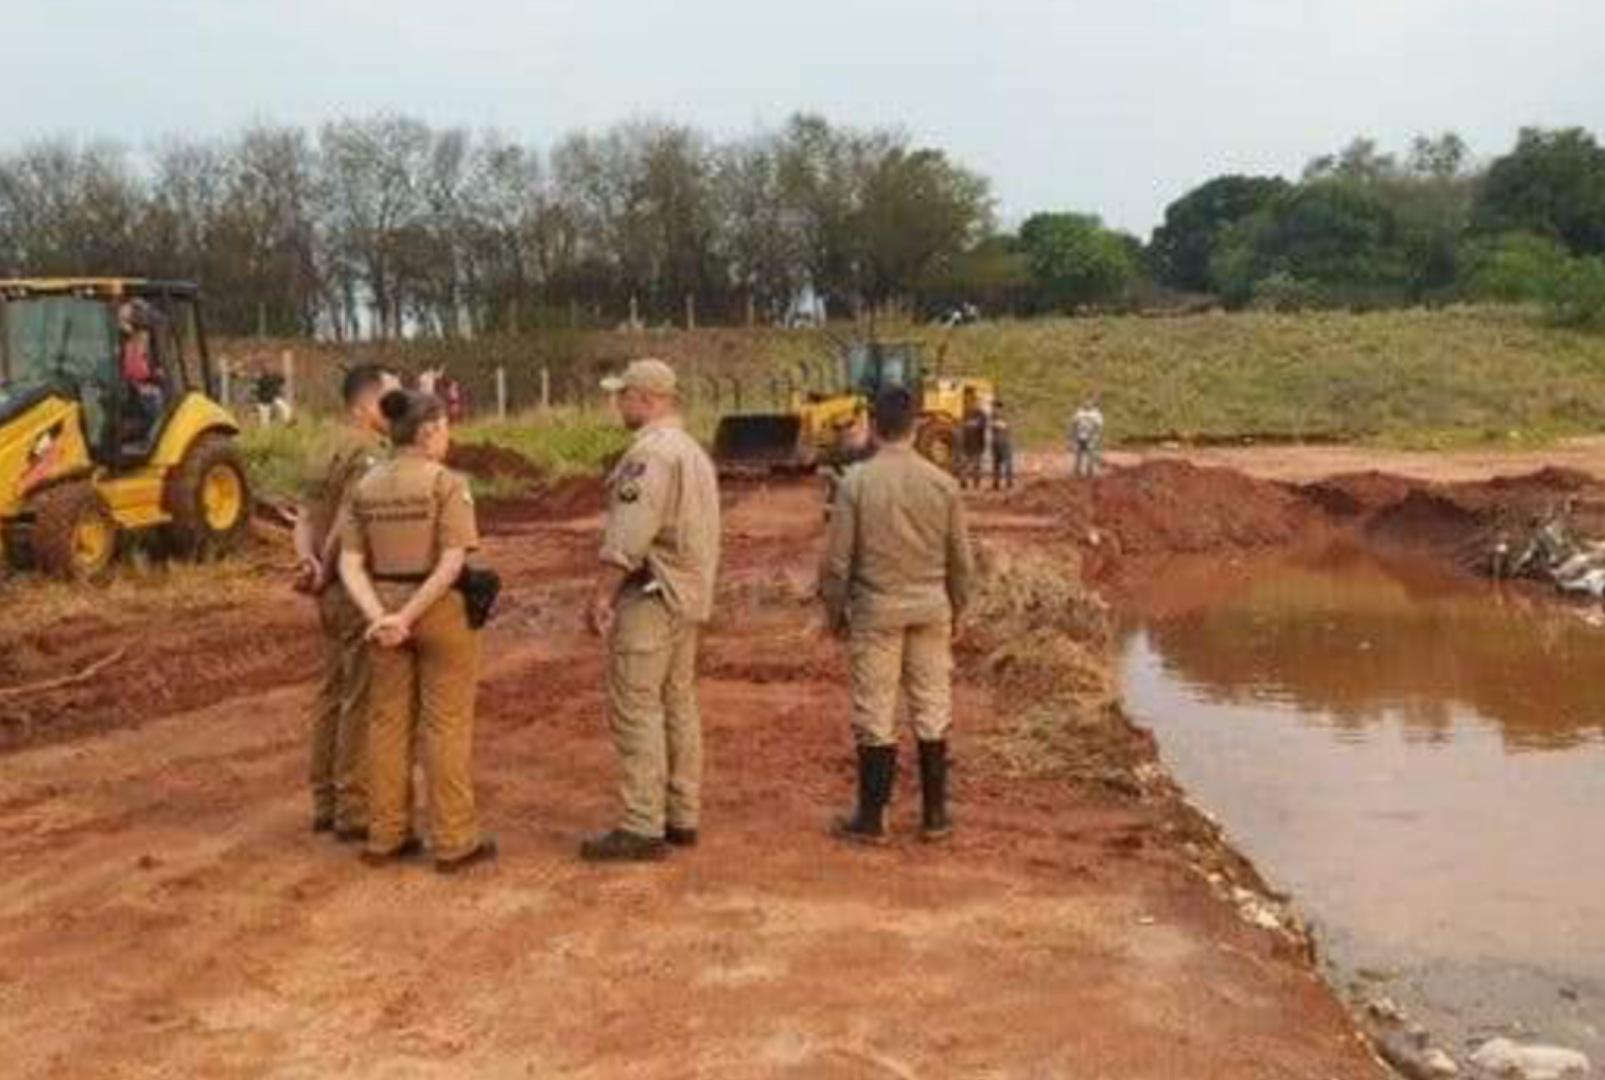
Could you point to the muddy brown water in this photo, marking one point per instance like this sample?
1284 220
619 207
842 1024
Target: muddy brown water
1417 758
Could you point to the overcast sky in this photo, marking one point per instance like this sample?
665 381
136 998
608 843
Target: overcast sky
1112 106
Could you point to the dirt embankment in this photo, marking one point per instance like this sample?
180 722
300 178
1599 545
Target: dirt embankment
1128 523
539 495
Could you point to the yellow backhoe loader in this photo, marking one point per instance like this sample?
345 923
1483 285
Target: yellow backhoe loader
109 424
817 427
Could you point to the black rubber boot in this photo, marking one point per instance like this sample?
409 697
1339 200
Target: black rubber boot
934 822
877 766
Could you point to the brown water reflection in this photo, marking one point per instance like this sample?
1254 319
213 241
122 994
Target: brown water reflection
1362 640
1419 759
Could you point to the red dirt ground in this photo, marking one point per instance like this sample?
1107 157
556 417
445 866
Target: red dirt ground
163 910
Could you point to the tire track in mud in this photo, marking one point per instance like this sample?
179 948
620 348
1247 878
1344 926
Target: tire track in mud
221 656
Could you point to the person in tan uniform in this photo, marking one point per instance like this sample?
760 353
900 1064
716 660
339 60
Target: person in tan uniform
895 579
403 546
660 555
339 786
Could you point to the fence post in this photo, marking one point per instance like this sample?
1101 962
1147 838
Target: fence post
546 389
635 314
501 392
690 311
225 379
288 357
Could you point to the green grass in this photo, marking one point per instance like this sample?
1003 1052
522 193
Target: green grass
276 457
1436 378
1450 377
562 442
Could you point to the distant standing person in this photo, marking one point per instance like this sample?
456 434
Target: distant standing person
1002 438
895 579
1086 439
972 441
451 392
660 556
402 548
340 714
271 403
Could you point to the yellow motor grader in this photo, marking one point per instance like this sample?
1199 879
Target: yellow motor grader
817 427
109 424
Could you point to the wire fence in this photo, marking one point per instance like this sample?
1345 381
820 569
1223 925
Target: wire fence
509 376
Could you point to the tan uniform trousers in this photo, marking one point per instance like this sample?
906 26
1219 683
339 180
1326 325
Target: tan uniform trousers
919 660
340 715
652 706
424 690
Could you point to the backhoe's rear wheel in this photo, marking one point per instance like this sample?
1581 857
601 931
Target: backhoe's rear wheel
73 535
935 440
209 498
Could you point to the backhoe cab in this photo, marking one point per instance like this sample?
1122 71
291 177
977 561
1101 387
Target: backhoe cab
109 424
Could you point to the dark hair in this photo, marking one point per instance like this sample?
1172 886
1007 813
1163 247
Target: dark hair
408 412
360 379
895 412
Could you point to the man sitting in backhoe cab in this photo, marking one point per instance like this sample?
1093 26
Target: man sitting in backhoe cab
135 321
109 425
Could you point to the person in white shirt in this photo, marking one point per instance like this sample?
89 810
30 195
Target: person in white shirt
1086 439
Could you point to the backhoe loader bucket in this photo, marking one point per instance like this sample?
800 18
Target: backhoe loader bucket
760 441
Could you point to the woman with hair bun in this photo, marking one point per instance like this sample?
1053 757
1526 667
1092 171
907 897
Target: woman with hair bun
403 546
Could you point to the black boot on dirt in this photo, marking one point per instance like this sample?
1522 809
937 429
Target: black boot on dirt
323 824
621 845
877 765
356 834
934 822
483 852
407 849
675 836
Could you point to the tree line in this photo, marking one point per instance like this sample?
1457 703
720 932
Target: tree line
1363 228
387 227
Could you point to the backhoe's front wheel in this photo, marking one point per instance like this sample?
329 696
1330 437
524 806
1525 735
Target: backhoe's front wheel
935 441
209 498
73 535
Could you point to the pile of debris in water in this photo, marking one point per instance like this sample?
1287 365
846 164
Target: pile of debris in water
1551 549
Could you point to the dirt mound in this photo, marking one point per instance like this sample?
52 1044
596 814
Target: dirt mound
489 462
1461 521
1425 518
567 499
1171 507
1355 494
1548 481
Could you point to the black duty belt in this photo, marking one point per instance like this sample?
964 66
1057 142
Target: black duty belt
402 579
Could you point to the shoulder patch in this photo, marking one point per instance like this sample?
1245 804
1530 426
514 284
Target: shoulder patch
631 470
629 492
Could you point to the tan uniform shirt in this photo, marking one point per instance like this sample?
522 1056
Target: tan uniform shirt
338 463
663 517
898 552
406 512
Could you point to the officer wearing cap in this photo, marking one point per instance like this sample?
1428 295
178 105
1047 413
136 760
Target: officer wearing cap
339 716
660 555
896 576
403 546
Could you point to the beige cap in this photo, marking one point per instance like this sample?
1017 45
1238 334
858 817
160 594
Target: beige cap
650 376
